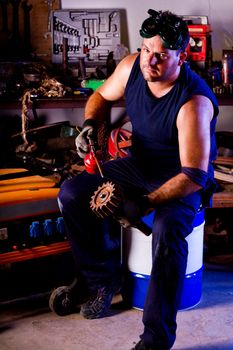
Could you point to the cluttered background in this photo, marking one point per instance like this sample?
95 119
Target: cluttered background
53 55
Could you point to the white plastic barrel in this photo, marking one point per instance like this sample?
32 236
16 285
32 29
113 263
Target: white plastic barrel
137 255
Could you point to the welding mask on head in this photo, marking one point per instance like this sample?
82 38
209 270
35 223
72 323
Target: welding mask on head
171 28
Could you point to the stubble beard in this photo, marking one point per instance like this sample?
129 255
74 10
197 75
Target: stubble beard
150 77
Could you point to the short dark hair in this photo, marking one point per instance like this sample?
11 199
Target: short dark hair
172 29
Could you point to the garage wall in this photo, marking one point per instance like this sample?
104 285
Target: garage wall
219 13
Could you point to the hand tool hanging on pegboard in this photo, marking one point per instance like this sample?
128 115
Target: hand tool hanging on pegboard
27 28
49 4
15 19
3 4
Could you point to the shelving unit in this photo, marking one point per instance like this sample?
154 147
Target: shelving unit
27 200
34 252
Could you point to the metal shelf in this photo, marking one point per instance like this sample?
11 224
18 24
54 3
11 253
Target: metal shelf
77 102
34 252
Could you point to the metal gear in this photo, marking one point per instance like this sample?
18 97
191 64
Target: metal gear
106 200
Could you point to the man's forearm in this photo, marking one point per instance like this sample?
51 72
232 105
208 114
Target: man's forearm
177 187
97 108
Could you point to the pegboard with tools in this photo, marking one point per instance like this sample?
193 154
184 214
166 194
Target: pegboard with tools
90 34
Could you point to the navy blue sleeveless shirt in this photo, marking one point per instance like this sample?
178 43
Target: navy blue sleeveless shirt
154 130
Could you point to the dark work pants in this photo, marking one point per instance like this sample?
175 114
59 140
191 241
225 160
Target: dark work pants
96 247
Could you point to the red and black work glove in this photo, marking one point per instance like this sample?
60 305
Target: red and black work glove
87 136
137 208
132 212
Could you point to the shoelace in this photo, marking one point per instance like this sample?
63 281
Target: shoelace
101 294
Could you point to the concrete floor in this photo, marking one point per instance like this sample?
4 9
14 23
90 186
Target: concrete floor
28 324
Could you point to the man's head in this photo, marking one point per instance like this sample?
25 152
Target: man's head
165 37
171 28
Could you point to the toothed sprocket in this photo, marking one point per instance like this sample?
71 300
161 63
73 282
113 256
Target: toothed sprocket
106 200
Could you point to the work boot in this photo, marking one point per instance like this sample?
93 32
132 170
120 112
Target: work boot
142 346
98 305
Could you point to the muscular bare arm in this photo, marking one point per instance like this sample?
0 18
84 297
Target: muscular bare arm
99 102
193 123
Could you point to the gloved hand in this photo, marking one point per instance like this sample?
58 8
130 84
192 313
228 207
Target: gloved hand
87 135
134 210
131 214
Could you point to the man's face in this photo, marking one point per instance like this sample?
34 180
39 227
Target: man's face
158 63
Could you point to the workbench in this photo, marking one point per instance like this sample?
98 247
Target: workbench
75 105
